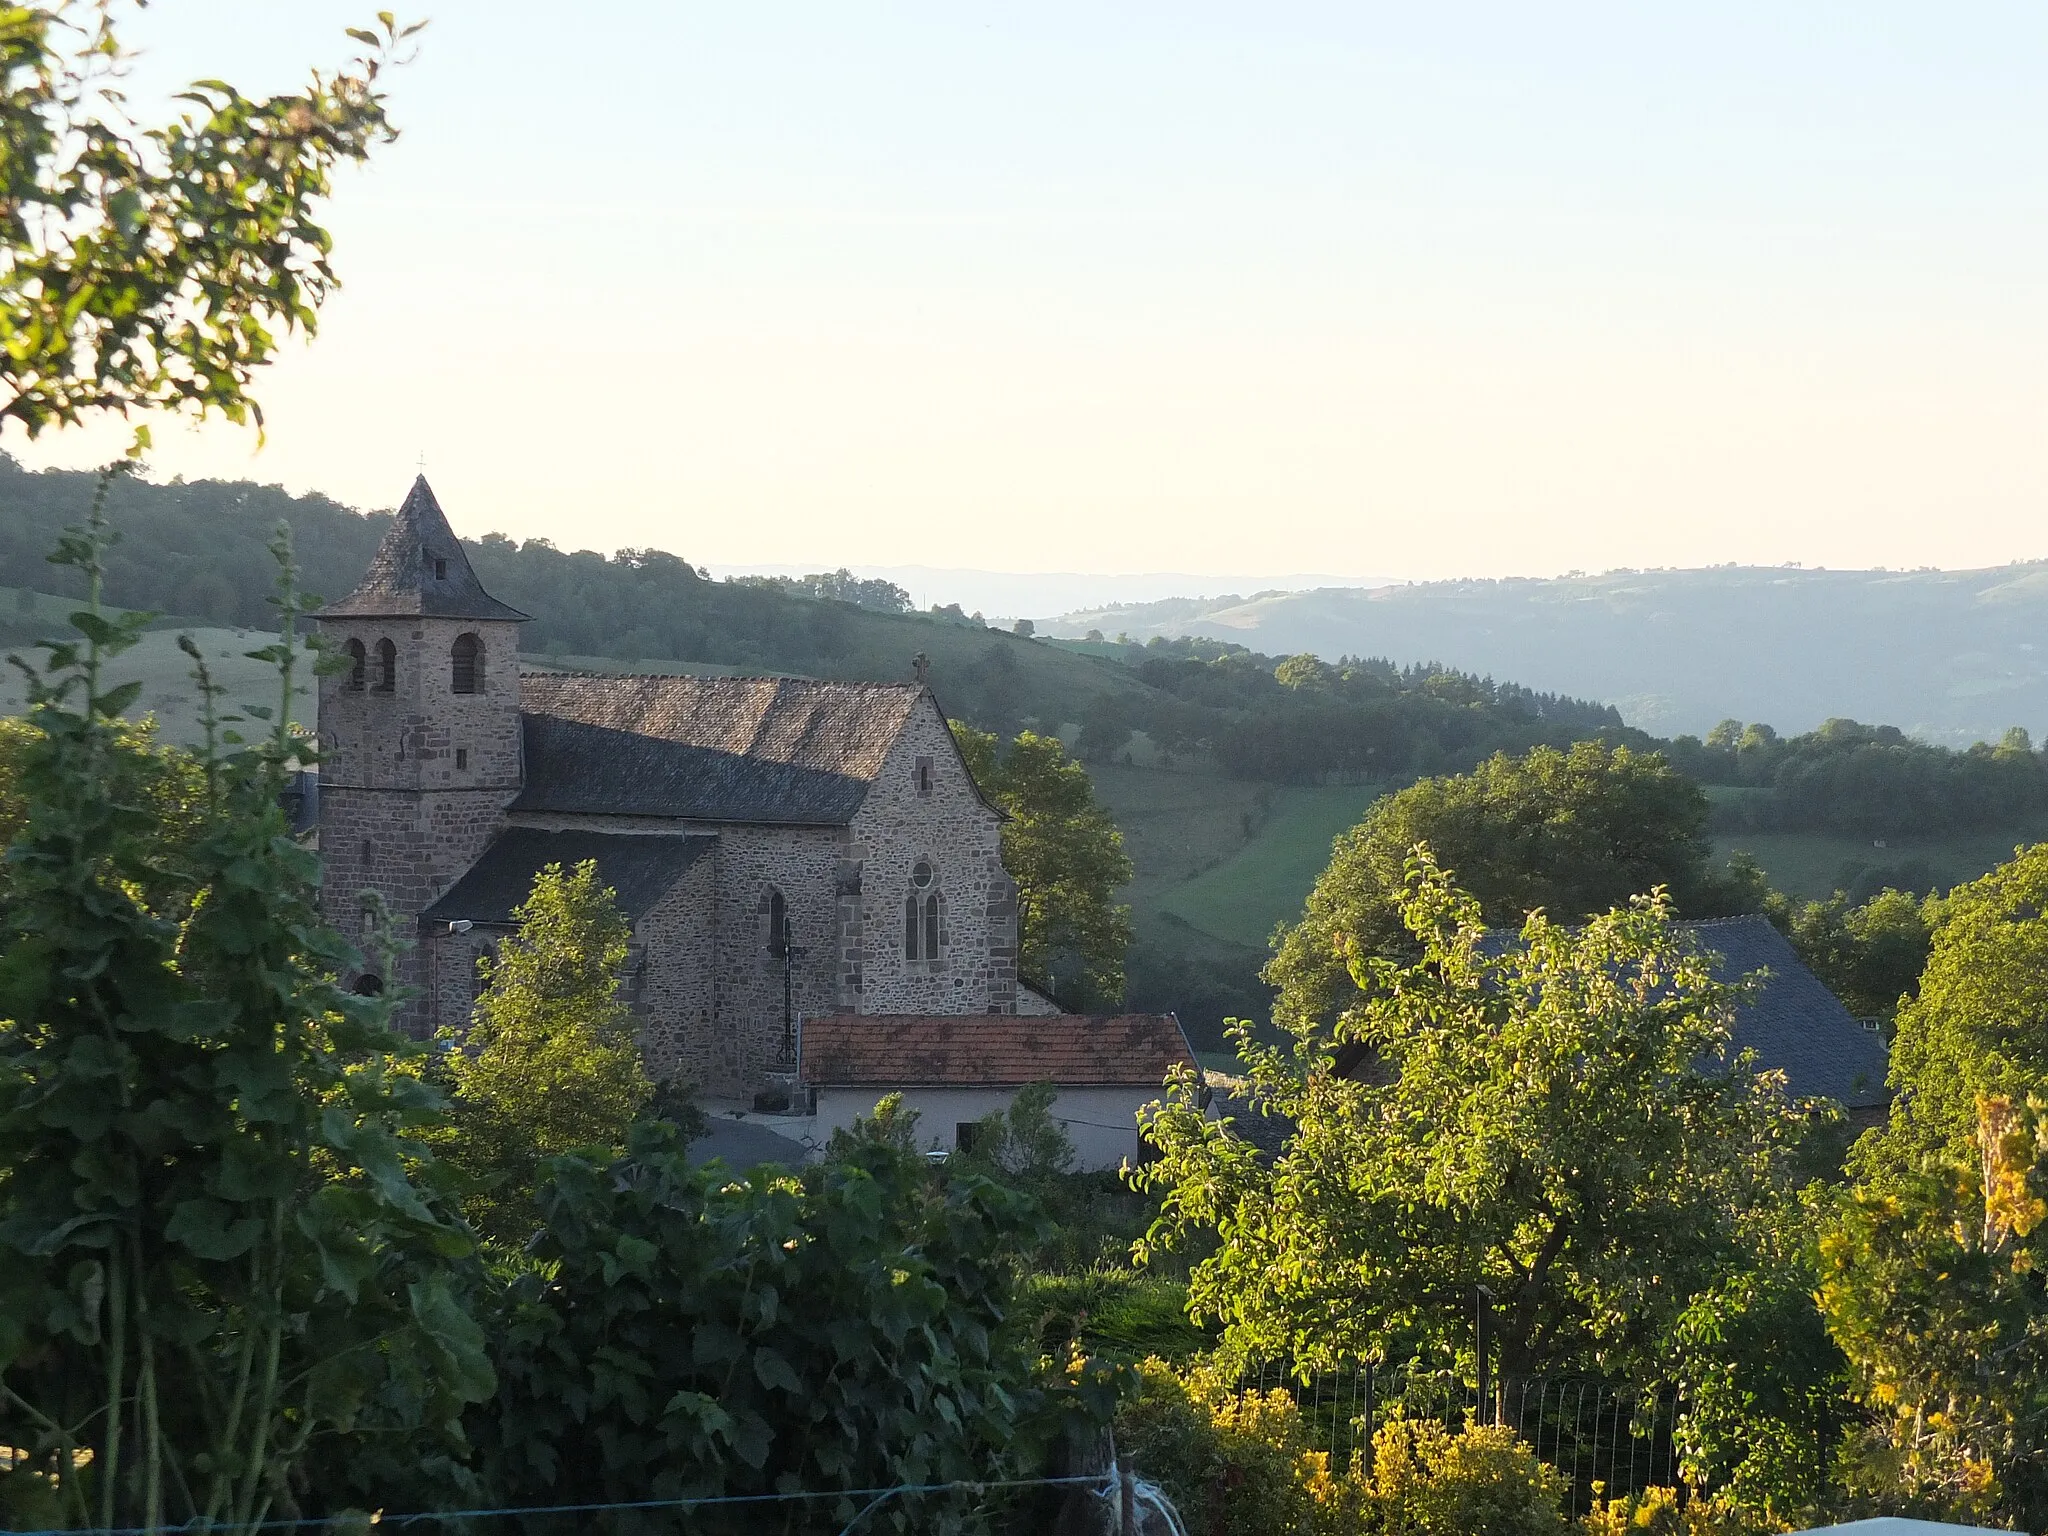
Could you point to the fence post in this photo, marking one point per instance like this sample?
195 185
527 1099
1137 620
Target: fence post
1482 1403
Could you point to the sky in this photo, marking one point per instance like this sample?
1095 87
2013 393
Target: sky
1241 289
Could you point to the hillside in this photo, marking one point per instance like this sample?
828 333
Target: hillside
199 549
169 691
1228 770
1952 656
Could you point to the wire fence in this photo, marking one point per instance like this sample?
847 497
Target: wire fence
829 1512
1603 1440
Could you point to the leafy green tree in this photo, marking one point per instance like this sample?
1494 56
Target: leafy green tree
1068 860
155 269
1870 955
220 1243
1571 833
1931 1268
1557 1117
1763 1390
550 1063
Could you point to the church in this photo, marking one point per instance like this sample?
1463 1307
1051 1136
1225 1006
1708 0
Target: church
783 848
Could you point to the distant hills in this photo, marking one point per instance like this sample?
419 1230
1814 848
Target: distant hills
1002 596
1950 656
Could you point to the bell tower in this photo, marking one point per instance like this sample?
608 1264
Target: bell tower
419 733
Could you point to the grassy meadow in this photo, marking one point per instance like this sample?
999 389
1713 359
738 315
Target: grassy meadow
169 691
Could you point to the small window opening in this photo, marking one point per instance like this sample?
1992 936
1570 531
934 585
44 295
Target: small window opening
468 658
358 666
778 925
440 570
924 776
963 1135
368 985
461 757
921 915
366 853
387 666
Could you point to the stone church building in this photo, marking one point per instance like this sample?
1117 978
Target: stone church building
783 848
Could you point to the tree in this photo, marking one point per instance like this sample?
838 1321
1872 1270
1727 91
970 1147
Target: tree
1068 860
1871 955
550 1063
221 1237
1931 1267
155 269
1556 1116
1571 833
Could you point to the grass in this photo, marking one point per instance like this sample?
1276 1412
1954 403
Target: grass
1265 882
1815 864
169 690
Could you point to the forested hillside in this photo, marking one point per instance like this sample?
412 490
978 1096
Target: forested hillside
197 551
1229 770
1956 656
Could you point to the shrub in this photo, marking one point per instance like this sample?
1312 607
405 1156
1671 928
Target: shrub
1234 1463
1658 1512
1114 1312
1426 1481
680 1332
1238 1461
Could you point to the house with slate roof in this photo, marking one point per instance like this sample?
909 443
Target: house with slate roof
1794 1024
786 850
1790 1024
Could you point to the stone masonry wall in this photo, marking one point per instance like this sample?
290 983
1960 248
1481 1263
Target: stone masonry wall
949 827
674 993
397 815
668 981
807 865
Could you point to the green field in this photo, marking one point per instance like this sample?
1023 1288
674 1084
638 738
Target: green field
1266 881
1815 864
169 691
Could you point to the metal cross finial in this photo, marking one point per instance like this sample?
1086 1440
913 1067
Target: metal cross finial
423 461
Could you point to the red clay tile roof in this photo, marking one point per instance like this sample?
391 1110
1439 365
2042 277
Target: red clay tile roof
990 1050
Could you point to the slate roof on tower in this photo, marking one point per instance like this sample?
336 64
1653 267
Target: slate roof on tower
420 571
745 749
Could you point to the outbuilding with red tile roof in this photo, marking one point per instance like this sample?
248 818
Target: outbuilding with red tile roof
956 1069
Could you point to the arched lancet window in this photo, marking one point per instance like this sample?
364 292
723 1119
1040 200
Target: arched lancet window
358 666
778 925
387 666
468 656
921 915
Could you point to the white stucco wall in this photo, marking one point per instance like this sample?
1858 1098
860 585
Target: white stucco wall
1101 1122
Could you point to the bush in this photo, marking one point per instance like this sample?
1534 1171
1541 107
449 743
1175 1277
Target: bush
1237 1461
1426 1481
1658 1512
680 1332
1115 1313
1234 1463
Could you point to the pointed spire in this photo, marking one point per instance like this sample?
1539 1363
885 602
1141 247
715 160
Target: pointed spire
420 570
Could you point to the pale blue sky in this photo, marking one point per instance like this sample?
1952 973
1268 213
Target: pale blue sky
1417 290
